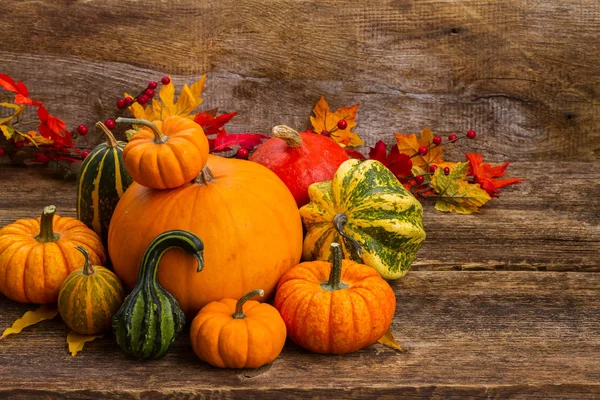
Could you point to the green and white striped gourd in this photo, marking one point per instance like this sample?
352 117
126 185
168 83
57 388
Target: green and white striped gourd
150 318
101 181
368 211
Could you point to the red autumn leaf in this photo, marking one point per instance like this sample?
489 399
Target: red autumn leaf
224 141
354 154
22 94
399 164
485 174
53 128
210 123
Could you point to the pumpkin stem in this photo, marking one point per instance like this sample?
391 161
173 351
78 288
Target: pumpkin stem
335 276
339 221
205 176
110 141
158 136
239 312
46 229
290 136
88 268
161 244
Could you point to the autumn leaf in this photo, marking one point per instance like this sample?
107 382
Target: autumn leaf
399 164
485 174
210 123
8 131
18 111
326 120
455 193
165 105
409 145
224 141
44 312
76 341
388 340
22 93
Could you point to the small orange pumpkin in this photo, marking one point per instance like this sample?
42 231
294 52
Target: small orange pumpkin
36 256
337 307
165 154
242 334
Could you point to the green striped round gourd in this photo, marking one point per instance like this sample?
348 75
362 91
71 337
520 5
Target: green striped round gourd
101 181
89 298
150 319
368 211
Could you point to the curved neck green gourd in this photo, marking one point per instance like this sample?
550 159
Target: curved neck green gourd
339 221
335 275
150 318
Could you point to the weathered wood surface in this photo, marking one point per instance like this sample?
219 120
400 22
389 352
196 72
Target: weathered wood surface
523 74
499 334
551 221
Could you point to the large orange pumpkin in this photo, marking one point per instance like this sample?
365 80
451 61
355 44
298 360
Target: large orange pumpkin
37 255
244 214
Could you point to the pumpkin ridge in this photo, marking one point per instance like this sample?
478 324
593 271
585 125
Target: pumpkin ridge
43 275
8 264
24 276
367 339
108 281
76 287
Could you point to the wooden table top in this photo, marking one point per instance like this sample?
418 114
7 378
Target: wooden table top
498 304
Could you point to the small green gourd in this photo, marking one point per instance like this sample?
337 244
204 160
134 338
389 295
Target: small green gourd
150 318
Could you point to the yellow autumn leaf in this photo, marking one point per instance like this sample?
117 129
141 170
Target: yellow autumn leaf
455 193
326 120
18 111
76 341
388 340
8 131
409 145
167 98
44 312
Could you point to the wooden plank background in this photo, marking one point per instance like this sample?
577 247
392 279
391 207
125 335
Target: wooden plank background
523 74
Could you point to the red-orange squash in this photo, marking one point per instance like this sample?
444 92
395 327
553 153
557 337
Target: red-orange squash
37 255
337 307
165 154
238 334
300 159
244 214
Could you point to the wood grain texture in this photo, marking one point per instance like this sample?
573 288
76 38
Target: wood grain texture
549 222
523 74
468 334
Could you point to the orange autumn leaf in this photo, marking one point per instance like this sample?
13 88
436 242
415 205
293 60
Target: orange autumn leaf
326 120
409 145
487 176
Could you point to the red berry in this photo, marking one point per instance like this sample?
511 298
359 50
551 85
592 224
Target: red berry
84 154
121 104
110 123
342 124
165 80
325 132
471 134
452 138
242 153
143 99
1 152
437 140
446 171
419 179
432 168
152 85
82 130
423 150
19 144
149 93
128 101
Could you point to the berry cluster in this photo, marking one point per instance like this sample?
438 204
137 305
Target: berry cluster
341 125
437 141
143 98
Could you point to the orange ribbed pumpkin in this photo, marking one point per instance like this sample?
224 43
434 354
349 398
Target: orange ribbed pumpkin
238 334
244 214
165 154
37 255
337 307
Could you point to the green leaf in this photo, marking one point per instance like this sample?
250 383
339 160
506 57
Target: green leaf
455 193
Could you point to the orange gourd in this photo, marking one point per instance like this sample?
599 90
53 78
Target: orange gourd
337 307
244 214
242 334
165 154
37 255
